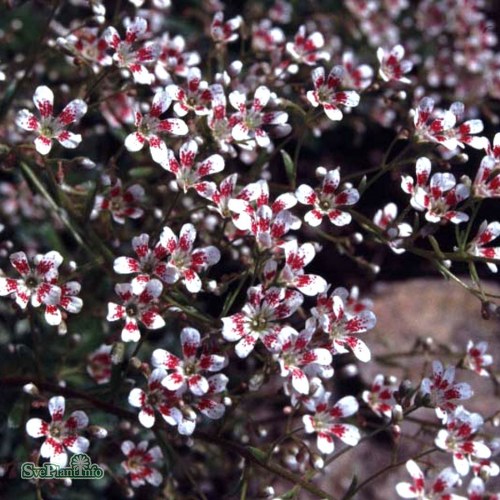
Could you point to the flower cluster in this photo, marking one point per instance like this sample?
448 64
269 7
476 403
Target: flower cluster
222 338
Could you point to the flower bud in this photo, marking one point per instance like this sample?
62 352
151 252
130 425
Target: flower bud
31 389
317 462
97 431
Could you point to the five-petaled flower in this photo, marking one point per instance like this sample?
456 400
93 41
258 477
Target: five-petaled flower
458 439
119 202
442 390
306 49
261 318
325 422
292 274
487 232
139 463
438 199
380 396
392 65
60 434
341 326
297 357
477 359
186 374
327 199
48 127
440 126
38 284
186 171
195 96
394 232
125 55
137 307
149 262
440 488
184 262
225 32
250 122
156 397
327 92
150 125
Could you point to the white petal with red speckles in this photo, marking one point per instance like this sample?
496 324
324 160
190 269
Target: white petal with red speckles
198 385
136 397
246 345
130 332
300 381
240 132
53 315
211 409
57 406
217 383
461 464
339 218
54 450
79 445
43 145
125 265
27 121
174 126
152 320
115 311
134 142
7 286
68 139
44 101
190 341
313 218
164 359
347 433
233 328
141 74
262 138
147 418
237 100
324 442
36 427
158 149
359 349
73 112
310 284
332 112
192 281
161 102
212 165
173 381
187 236
345 407
78 419
111 36
261 97
306 195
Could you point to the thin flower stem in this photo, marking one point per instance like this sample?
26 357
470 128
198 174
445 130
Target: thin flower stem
166 217
384 471
244 451
66 218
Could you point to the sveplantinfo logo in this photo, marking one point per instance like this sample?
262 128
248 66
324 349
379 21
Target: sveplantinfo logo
80 467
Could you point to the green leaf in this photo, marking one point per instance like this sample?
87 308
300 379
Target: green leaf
140 172
258 454
289 167
352 488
